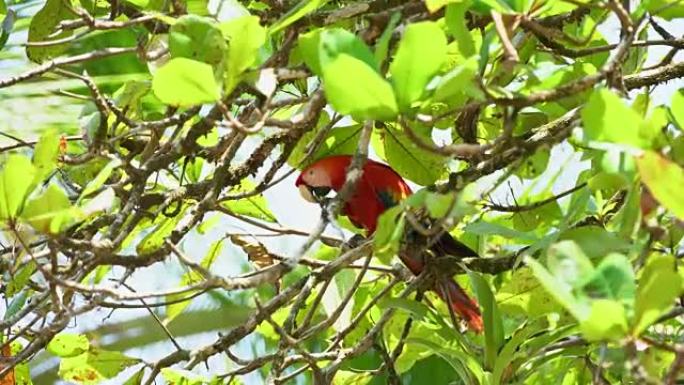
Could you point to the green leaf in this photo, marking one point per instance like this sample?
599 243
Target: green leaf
245 37
435 5
16 182
3 9
197 38
136 378
389 234
255 206
535 165
45 154
20 279
99 180
309 46
417 309
512 348
664 178
94 366
7 19
567 267
155 239
561 291
606 321
190 278
666 9
17 304
354 88
493 323
523 295
677 108
458 27
50 212
607 181
420 55
382 44
337 41
613 279
596 242
606 118
456 358
43 24
489 228
352 378
339 141
659 286
183 82
410 161
182 377
68 345
303 8
459 84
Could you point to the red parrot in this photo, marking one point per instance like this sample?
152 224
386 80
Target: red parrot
379 189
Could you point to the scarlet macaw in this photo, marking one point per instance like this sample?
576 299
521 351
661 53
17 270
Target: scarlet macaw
379 189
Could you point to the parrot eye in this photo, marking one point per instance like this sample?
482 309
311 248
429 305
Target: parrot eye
320 192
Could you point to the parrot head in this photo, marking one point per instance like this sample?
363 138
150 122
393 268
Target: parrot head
317 180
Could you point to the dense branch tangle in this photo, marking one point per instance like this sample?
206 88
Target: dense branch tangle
176 163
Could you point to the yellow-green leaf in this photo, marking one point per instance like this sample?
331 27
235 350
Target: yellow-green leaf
43 24
420 55
50 211
659 286
665 180
16 182
354 88
184 82
68 344
245 36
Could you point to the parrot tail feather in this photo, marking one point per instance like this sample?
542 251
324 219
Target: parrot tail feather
461 304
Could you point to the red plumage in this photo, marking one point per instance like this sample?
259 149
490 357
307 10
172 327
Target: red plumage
380 188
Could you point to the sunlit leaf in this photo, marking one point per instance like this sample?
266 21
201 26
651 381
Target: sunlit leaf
49 212
254 206
295 13
457 26
523 294
659 286
354 88
606 321
491 317
664 179
68 345
408 159
197 38
389 233
44 24
607 118
45 154
245 36
185 82
94 366
677 108
458 84
16 182
419 57
156 238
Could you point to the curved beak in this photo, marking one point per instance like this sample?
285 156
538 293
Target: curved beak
306 193
314 194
